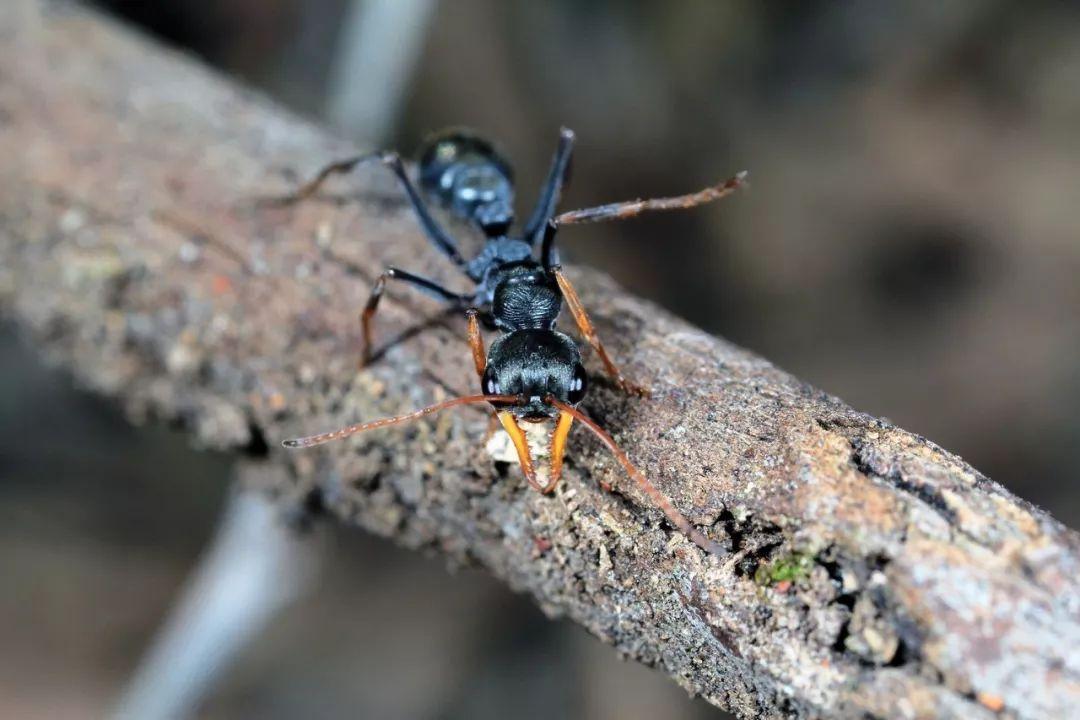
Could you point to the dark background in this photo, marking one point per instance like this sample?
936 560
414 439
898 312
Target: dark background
909 243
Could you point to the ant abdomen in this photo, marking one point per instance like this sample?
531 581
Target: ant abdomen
466 175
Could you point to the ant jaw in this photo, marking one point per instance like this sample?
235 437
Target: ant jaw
521 441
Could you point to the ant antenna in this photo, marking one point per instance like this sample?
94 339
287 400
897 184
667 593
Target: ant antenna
677 518
311 440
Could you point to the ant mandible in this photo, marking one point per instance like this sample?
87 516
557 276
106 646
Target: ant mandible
532 372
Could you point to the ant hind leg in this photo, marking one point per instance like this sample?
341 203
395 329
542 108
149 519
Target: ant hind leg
435 232
428 287
339 167
633 208
587 329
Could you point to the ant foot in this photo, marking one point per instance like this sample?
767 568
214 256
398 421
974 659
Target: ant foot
632 388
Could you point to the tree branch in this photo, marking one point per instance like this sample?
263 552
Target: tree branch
871 573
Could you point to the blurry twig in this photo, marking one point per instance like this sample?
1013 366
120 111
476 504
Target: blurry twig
255 567
378 48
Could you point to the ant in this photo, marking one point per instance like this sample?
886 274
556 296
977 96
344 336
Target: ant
532 372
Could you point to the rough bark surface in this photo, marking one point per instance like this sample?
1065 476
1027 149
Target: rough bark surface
871 573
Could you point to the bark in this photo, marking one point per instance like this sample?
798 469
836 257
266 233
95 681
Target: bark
870 573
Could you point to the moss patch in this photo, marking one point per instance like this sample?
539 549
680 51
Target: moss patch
791 567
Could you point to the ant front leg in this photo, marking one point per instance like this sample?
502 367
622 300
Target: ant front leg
585 325
558 176
476 345
426 286
632 208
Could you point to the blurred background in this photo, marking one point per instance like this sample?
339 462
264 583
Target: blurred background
909 244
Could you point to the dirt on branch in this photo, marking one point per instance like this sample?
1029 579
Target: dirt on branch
869 572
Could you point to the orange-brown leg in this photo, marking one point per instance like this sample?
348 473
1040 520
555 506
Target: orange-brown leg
366 316
658 498
422 284
585 325
476 344
623 210
479 356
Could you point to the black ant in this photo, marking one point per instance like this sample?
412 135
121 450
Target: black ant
532 372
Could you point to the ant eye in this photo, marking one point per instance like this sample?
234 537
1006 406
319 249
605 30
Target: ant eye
490 384
579 384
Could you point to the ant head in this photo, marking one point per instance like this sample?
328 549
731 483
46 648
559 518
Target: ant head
532 365
470 177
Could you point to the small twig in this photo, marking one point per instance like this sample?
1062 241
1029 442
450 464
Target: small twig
255 567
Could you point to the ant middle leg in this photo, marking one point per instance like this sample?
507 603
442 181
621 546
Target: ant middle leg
426 286
589 331
632 208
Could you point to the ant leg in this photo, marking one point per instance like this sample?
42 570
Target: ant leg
335 168
558 175
434 231
623 210
549 256
476 344
423 284
585 325
441 239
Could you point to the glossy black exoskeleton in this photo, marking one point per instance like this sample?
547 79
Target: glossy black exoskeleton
532 372
465 174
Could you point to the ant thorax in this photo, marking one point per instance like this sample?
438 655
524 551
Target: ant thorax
497 253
